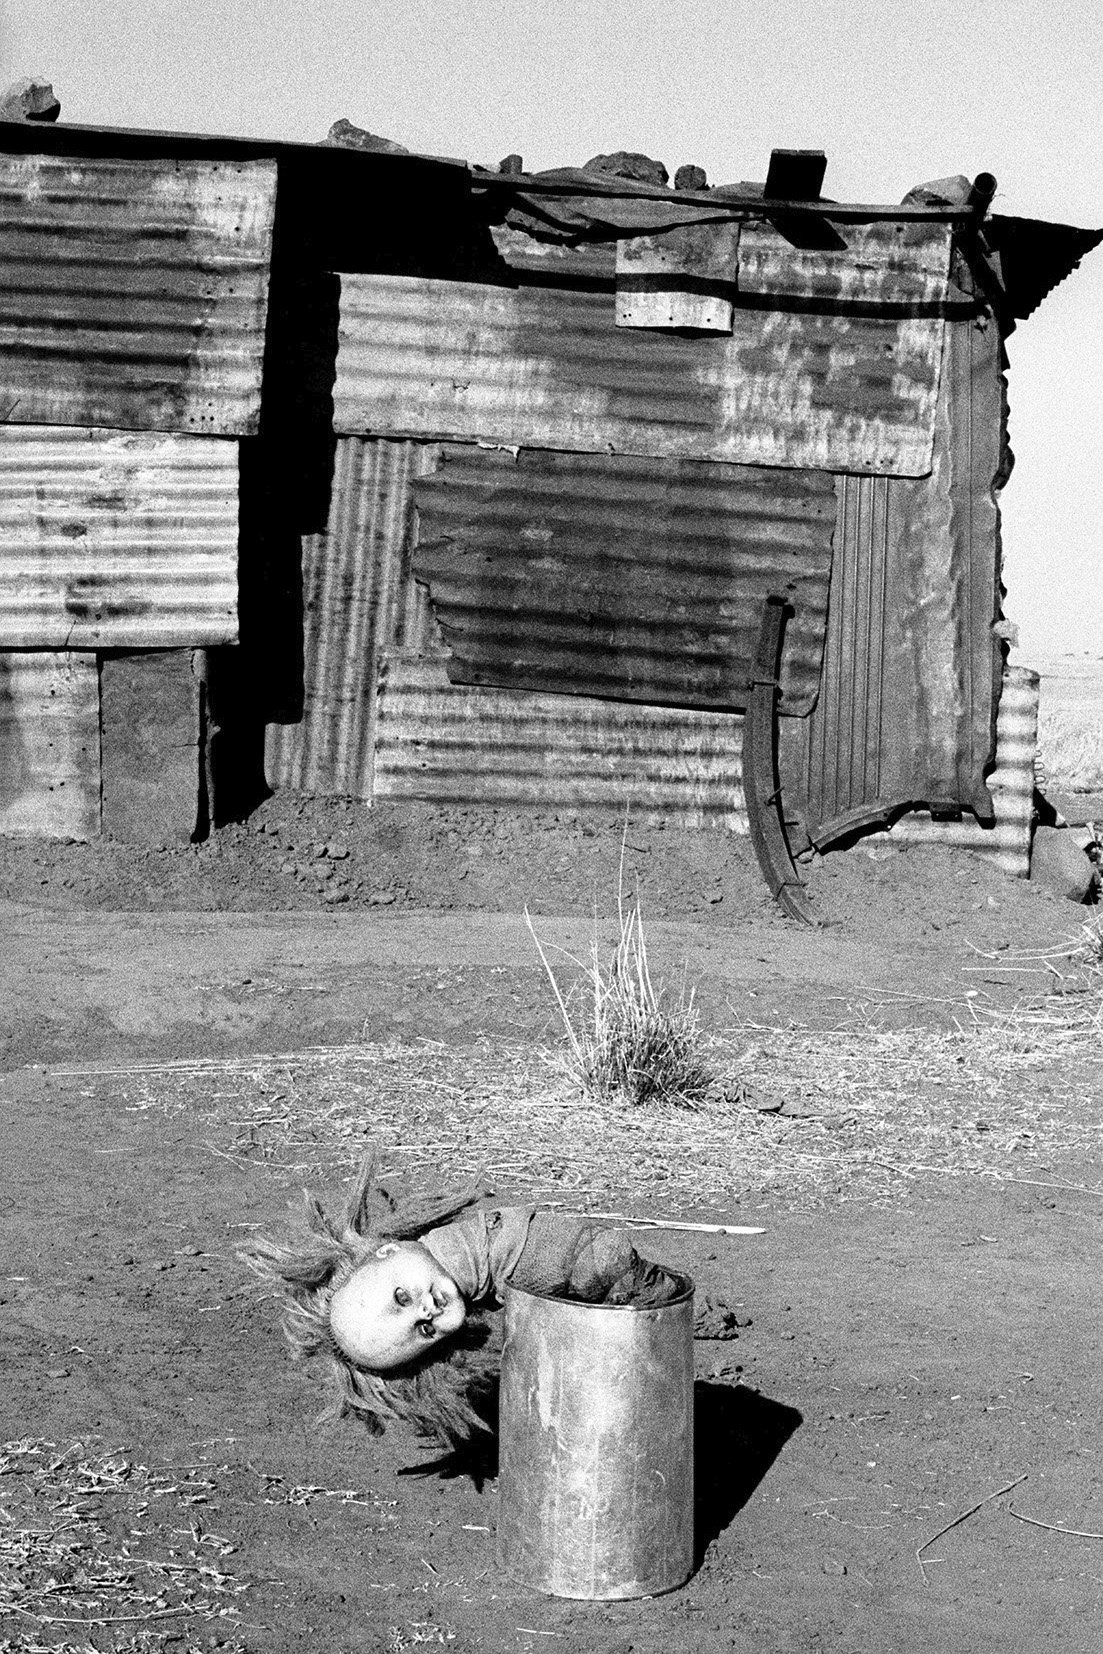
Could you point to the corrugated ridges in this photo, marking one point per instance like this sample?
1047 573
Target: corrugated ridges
889 264
548 368
49 745
1011 783
357 598
445 744
133 294
113 540
615 576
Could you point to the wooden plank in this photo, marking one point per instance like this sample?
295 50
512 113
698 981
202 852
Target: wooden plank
685 278
150 733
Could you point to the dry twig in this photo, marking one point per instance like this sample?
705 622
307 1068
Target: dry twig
1052 1527
964 1517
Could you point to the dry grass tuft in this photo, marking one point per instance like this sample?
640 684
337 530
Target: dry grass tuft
627 1041
81 1564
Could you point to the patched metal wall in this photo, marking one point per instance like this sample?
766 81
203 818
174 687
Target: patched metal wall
636 579
133 293
358 598
49 744
448 744
912 671
418 736
547 367
112 539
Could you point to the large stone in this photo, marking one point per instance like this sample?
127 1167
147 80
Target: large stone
690 178
626 164
29 100
343 135
1059 860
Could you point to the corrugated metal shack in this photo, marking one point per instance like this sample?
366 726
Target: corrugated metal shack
376 474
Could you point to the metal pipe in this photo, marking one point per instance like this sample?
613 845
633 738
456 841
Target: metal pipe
980 196
596 1446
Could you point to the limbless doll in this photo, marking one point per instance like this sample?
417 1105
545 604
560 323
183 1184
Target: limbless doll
396 1294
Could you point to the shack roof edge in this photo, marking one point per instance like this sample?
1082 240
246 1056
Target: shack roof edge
1042 253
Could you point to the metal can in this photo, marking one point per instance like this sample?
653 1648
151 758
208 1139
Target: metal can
595 1487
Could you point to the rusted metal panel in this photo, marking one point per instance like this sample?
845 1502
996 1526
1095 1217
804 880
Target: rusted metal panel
548 368
49 745
1005 840
149 724
443 743
133 293
358 597
630 578
911 674
112 539
573 264
891 266
685 278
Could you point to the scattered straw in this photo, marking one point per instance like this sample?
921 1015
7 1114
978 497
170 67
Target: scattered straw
795 1116
84 1567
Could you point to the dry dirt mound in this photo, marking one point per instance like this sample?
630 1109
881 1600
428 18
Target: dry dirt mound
310 854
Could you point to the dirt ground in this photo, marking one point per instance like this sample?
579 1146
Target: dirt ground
907 1100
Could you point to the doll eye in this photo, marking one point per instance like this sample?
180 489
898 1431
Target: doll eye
401 1296
426 1329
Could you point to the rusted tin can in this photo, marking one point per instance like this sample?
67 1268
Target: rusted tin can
596 1446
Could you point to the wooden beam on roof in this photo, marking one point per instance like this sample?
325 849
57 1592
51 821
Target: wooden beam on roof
795 174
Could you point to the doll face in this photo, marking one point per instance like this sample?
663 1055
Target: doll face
395 1306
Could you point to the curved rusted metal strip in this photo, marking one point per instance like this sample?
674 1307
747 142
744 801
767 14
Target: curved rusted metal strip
761 782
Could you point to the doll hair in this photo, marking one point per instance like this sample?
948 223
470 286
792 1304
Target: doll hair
436 1393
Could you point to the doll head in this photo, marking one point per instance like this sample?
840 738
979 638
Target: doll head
397 1304
389 1322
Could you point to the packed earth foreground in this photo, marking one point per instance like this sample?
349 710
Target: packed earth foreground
900 1449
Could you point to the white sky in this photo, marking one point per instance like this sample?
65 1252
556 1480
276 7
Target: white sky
895 91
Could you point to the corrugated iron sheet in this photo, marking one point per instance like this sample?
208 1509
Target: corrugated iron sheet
1032 257
890 266
109 540
446 744
632 578
1006 842
133 293
49 745
548 368
911 673
358 597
